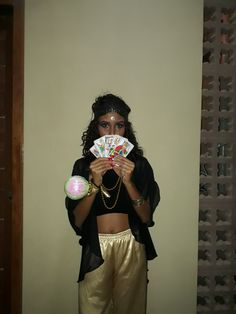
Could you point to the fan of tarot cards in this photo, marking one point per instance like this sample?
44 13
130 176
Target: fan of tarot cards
110 146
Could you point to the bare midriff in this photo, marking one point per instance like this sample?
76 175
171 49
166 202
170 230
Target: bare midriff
112 223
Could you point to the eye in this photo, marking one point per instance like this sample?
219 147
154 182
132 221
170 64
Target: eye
120 125
103 124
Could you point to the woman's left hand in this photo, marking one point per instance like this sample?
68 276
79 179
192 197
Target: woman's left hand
124 168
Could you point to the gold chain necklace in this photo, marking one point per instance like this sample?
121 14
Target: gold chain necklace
112 188
119 181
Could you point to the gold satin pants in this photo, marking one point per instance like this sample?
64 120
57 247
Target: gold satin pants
119 285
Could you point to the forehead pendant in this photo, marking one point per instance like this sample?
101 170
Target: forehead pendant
112 118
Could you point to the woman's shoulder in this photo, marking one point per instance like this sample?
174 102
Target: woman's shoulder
81 161
142 166
141 161
80 165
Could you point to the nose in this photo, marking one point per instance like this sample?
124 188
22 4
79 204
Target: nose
112 130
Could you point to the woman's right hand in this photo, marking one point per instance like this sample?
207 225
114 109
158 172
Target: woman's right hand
98 168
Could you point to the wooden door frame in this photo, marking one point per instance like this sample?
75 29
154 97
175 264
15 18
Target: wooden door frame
16 244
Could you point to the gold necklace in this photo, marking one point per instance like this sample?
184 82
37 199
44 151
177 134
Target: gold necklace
103 192
112 188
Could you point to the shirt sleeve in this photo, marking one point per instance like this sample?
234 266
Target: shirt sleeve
147 186
80 168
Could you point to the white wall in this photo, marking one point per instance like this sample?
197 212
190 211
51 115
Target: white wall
148 52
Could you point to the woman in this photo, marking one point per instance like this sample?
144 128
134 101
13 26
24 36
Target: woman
115 240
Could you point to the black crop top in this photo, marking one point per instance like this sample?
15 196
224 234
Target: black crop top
123 205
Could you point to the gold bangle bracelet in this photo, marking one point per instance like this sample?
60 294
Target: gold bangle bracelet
92 189
138 202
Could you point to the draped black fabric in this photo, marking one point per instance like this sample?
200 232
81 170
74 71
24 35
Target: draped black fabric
91 254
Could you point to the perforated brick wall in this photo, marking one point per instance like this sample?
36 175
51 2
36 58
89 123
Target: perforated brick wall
217 212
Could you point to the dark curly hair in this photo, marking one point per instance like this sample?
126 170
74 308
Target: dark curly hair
102 105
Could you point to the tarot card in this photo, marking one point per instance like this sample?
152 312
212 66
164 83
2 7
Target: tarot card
95 151
123 149
111 141
100 145
127 147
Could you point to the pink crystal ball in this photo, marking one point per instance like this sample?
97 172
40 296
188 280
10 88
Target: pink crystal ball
76 187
